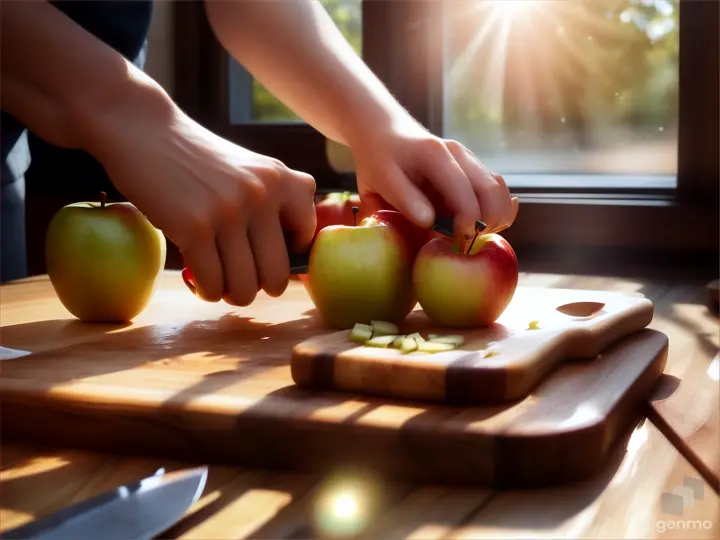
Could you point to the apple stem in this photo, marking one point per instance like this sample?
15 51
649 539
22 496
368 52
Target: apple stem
103 199
355 210
467 251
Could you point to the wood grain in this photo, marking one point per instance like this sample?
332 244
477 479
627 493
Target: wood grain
468 374
596 508
216 386
623 501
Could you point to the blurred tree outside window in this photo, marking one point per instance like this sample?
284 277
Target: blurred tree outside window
347 15
549 86
564 86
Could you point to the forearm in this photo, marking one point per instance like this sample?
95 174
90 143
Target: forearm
294 48
59 80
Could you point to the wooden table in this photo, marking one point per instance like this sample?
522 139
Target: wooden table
678 442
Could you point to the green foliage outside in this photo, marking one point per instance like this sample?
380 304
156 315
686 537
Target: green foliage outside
347 15
609 65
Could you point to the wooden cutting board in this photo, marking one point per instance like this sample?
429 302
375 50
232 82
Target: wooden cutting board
540 329
213 383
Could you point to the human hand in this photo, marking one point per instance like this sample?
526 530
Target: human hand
226 208
422 175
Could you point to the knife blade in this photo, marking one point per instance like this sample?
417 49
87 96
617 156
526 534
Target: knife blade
138 511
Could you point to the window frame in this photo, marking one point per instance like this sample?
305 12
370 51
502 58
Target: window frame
405 51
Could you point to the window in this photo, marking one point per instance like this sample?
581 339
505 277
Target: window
601 114
251 102
546 88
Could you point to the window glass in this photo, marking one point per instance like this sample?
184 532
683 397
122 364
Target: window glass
251 102
564 86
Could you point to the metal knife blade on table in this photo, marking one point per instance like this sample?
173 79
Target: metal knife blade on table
138 511
299 261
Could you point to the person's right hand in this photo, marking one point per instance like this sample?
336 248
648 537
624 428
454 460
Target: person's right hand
226 208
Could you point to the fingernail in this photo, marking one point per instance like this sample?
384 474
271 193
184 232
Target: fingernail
422 213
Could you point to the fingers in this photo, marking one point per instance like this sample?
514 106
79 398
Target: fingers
270 253
241 281
204 262
297 209
449 178
405 196
489 190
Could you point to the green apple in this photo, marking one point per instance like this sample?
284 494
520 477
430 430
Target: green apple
360 274
461 288
104 260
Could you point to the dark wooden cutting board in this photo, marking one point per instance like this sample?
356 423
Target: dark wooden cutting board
209 382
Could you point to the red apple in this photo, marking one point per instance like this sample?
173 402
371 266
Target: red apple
415 237
465 290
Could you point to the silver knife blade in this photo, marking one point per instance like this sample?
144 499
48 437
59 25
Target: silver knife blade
138 511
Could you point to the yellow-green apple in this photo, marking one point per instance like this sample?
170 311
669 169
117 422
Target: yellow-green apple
360 274
104 260
465 289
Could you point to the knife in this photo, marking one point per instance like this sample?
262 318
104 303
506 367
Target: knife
138 511
299 261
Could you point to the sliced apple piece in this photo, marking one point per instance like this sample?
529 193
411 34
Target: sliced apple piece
361 333
417 337
409 345
433 336
434 347
398 342
384 328
456 340
380 341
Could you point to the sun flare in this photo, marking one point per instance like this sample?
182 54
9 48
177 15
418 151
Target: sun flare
509 8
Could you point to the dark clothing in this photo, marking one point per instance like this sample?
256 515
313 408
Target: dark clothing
123 25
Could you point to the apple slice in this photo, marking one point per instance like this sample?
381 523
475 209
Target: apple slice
452 340
380 341
408 345
361 333
417 337
398 342
384 328
434 347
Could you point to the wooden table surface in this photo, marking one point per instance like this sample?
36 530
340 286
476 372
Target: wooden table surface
677 444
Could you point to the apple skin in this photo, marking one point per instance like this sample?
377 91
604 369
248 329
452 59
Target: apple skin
104 260
415 237
360 274
466 290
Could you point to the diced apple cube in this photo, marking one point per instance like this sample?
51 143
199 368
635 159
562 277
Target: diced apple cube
453 340
408 345
383 328
361 333
434 347
380 341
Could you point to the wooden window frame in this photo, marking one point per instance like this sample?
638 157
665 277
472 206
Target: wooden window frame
404 48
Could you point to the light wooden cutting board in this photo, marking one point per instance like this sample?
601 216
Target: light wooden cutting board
497 364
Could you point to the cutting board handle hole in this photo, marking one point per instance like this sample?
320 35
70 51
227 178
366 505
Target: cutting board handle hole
581 309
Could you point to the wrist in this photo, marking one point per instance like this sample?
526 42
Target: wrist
103 119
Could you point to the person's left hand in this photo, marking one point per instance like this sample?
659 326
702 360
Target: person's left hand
422 175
